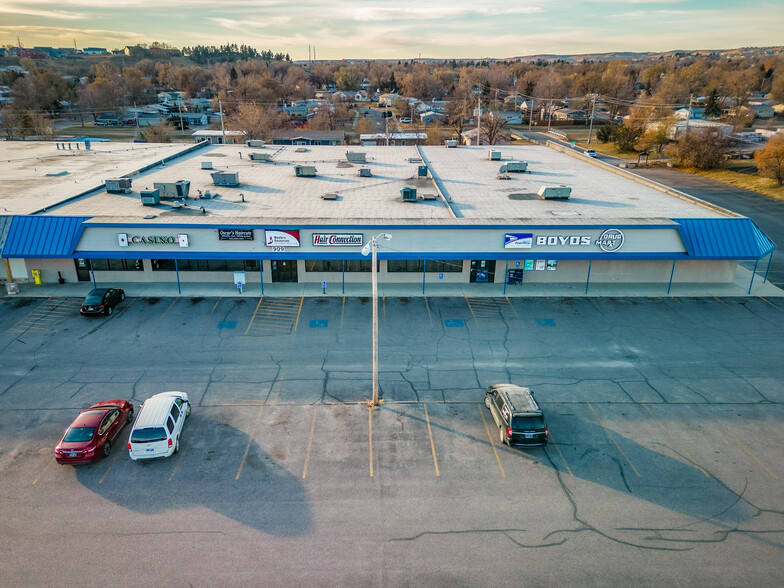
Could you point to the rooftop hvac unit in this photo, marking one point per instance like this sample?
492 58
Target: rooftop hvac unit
226 178
330 196
451 143
178 189
118 185
305 171
427 197
355 157
150 197
365 172
517 166
422 171
255 143
494 155
206 165
259 156
555 192
409 194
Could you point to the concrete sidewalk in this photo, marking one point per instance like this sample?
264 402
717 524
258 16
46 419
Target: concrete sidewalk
739 288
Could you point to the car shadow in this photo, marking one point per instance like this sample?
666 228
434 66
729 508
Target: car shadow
666 477
265 496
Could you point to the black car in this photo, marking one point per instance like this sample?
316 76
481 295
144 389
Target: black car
516 413
102 300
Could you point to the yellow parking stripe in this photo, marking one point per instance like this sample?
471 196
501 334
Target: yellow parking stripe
618 447
432 445
370 437
109 469
299 310
169 307
342 310
310 443
683 450
254 315
50 462
492 443
182 449
563 459
429 315
250 440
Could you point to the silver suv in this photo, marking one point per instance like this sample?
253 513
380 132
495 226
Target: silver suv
520 420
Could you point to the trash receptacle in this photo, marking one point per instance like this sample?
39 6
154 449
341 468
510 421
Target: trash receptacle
36 273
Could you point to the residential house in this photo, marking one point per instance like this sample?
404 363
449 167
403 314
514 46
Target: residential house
695 112
193 119
512 117
5 95
361 96
570 114
469 138
387 99
429 117
761 108
95 51
307 137
395 138
173 97
678 129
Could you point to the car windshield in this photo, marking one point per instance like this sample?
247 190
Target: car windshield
148 435
79 434
528 423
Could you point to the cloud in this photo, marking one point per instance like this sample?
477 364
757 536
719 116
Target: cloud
69 33
56 14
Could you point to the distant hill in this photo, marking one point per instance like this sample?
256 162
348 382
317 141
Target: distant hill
748 52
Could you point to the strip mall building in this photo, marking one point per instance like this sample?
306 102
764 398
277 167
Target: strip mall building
205 213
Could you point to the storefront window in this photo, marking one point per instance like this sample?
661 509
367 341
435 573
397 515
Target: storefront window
117 265
336 265
206 265
443 266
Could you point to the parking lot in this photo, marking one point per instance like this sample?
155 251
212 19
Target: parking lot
664 461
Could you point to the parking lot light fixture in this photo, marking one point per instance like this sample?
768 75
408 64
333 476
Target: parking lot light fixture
372 247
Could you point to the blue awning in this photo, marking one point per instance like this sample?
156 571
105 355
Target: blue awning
43 236
723 238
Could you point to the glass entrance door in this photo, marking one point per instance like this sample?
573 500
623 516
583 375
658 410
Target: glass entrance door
82 270
482 271
284 270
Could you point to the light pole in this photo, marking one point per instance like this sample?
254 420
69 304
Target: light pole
372 246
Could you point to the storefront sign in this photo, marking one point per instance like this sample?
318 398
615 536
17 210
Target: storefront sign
337 239
235 234
570 240
282 238
518 240
610 240
126 240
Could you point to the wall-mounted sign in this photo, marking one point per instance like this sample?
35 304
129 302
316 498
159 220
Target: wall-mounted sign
125 240
518 240
337 240
282 238
570 240
235 234
552 265
529 265
540 265
610 240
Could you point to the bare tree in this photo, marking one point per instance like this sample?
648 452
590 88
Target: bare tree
156 133
770 160
258 122
460 110
9 121
493 125
701 149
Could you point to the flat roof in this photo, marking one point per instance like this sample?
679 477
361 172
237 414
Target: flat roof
467 178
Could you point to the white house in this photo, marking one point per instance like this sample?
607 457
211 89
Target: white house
387 99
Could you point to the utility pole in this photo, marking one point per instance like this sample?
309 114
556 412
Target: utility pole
223 129
179 107
530 116
593 109
479 122
688 116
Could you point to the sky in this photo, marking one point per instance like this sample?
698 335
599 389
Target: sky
399 29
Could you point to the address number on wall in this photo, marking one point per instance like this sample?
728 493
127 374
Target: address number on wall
278 249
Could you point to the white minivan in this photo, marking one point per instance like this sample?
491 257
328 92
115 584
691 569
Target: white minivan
156 431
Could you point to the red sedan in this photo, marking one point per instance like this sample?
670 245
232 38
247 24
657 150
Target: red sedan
90 436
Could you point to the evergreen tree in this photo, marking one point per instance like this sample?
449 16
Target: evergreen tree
712 105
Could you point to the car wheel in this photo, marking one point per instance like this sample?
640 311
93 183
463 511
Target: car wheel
188 410
108 310
122 296
177 445
487 401
107 449
130 416
502 435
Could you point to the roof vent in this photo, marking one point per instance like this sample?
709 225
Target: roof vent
494 155
365 172
555 192
330 196
206 165
409 194
259 156
118 185
305 171
516 166
255 143
422 171
150 197
355 157
225 178
452 143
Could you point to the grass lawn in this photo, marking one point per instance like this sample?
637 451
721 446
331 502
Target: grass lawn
743 180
